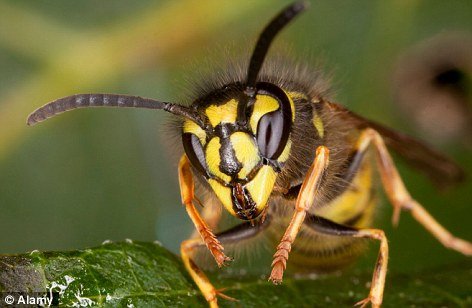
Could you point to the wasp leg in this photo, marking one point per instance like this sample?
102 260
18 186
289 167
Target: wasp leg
306 198
211 213
401 198
325 226
234 235
205 286
187 192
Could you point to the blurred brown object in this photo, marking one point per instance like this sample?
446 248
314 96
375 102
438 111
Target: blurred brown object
432 83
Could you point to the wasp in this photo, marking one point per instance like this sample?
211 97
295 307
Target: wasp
269 138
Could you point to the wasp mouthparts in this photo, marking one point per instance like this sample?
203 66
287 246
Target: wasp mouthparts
243 204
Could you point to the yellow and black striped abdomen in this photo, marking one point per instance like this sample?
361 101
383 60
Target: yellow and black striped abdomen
315 252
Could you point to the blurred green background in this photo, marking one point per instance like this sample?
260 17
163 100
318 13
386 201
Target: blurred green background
92 175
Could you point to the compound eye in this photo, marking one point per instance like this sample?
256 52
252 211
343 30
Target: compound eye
194 151
272 134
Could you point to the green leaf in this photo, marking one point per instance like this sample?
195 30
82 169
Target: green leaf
112 274
146 274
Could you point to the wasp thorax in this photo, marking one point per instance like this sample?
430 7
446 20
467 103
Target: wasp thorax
241 161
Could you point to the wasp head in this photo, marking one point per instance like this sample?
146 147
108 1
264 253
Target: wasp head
240 157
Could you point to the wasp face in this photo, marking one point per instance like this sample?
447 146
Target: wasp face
240 159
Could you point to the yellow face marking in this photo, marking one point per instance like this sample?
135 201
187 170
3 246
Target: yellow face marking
286 152
297 95
192 127
300 95
264 104
261 186
246 151
224 195
294 95
225 113
318 123
212 157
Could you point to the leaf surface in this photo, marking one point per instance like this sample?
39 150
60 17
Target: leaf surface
146 274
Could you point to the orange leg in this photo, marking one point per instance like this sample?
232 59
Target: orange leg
207 236
401 198
305 200
187 192
211 214
205 286
326 226
378 279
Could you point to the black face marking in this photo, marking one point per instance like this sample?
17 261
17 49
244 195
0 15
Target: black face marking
224 130
273 163
194 151
243 103
229 164
251 174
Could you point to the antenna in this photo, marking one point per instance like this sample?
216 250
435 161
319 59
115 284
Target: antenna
260 52
266 38
107 100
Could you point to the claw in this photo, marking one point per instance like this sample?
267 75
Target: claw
275 281
277 273
221 259
365 302
215 248
213 301
217 251
219 293
279 264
